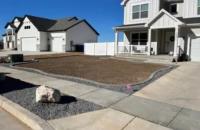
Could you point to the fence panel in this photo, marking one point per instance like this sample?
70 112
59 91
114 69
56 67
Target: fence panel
100 49
89 49
110 49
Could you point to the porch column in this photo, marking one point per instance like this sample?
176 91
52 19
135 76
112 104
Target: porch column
6 43
149 42
116 42
176 42
189 47
12 39
156 48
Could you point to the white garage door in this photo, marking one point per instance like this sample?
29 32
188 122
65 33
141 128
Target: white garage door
29 44
57 44
195 49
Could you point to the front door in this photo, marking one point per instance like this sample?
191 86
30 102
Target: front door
169 42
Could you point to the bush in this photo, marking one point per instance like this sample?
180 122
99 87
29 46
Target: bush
13 58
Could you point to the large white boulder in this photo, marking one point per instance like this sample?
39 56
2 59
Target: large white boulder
45 94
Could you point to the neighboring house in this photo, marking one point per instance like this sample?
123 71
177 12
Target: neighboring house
32 33
159 27
10 37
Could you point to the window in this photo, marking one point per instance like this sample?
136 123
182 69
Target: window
173 8
136 12
139 38
144 10
198 7
140 11
27 27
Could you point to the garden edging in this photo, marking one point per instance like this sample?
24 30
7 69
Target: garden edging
28 118
136 87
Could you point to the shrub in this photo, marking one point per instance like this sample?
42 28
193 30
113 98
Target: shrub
13 58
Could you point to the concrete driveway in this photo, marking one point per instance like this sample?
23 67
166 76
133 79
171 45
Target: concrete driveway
5 53
181 87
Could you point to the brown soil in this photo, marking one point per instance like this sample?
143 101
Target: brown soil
100 69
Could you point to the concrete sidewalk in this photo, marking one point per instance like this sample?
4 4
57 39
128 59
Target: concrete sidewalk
107 119
8 122
7 52
167 115
93 94
179 87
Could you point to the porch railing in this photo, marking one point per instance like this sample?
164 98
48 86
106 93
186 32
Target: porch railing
132 49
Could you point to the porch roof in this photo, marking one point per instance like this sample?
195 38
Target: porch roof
190 21
130 27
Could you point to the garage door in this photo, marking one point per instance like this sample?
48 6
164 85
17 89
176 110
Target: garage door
57 44
29 44
195 49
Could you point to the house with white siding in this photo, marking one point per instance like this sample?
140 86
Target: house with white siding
31 33
161 27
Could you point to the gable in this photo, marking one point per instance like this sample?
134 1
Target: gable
164 20
9 27
16 20
27 22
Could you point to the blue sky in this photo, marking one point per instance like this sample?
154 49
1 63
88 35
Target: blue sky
102 14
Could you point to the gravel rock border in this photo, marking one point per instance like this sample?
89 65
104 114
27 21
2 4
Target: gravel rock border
24 95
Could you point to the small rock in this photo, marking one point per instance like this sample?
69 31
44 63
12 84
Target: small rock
45 94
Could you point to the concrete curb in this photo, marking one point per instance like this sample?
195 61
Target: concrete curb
28 118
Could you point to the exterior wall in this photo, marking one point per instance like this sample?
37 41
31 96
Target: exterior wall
187 9
80 34
190 8
59 35
127 38
153 10
43 41
26 33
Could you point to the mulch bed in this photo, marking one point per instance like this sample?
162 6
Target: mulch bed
100 69
23 94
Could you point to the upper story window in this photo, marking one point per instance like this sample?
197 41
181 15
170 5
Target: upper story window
27 27
198 6
173 8
140 11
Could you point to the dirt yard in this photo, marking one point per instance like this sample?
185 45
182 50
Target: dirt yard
100 69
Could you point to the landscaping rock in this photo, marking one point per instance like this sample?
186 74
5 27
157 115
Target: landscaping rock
47 95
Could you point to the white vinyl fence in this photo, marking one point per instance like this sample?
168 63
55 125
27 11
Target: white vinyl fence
100 49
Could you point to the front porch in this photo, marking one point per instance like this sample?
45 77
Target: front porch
156 37
10 39
158 59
